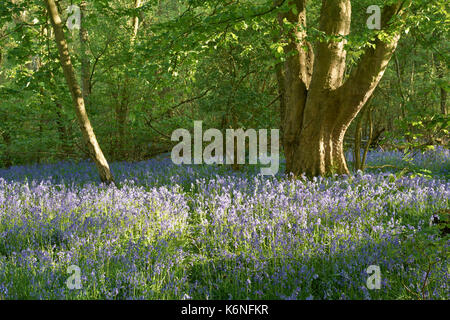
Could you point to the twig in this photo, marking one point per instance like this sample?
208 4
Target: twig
410 291
381 167
97 58
426 279
267 106
190 100
148 122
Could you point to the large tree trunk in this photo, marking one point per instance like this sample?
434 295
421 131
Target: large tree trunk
77 96
443 99
369 136
319 104
293 82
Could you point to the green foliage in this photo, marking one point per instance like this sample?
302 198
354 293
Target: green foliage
195 60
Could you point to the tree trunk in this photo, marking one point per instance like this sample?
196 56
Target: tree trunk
63 133
440 68
77 96
135 22
319 104
281 91
357 146
124 95
443 100
369 137
121 118
7 157
85 64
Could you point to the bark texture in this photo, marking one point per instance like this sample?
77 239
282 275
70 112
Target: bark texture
318 102
85 63
77 96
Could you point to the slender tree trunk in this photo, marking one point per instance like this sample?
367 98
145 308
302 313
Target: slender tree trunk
123 101
440 68
319 104
63 133
121 117
369 137
135 22
376 138
443 100
85 64
293 82
440 71
400 87
357 146
6 136
77 96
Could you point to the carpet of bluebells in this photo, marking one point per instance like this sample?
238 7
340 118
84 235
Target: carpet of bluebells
205 232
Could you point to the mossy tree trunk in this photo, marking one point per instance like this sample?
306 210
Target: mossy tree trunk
77 96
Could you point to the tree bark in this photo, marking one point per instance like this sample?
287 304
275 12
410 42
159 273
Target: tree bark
294 80
135 22
369 137
357 145
63 133
6 136
319 104
85 64
440 68
77 96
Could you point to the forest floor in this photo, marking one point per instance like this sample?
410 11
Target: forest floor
206 232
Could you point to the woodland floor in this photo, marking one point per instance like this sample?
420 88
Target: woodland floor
205 232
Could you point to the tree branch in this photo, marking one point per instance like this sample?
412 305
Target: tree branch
335 19
361 83
190 100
